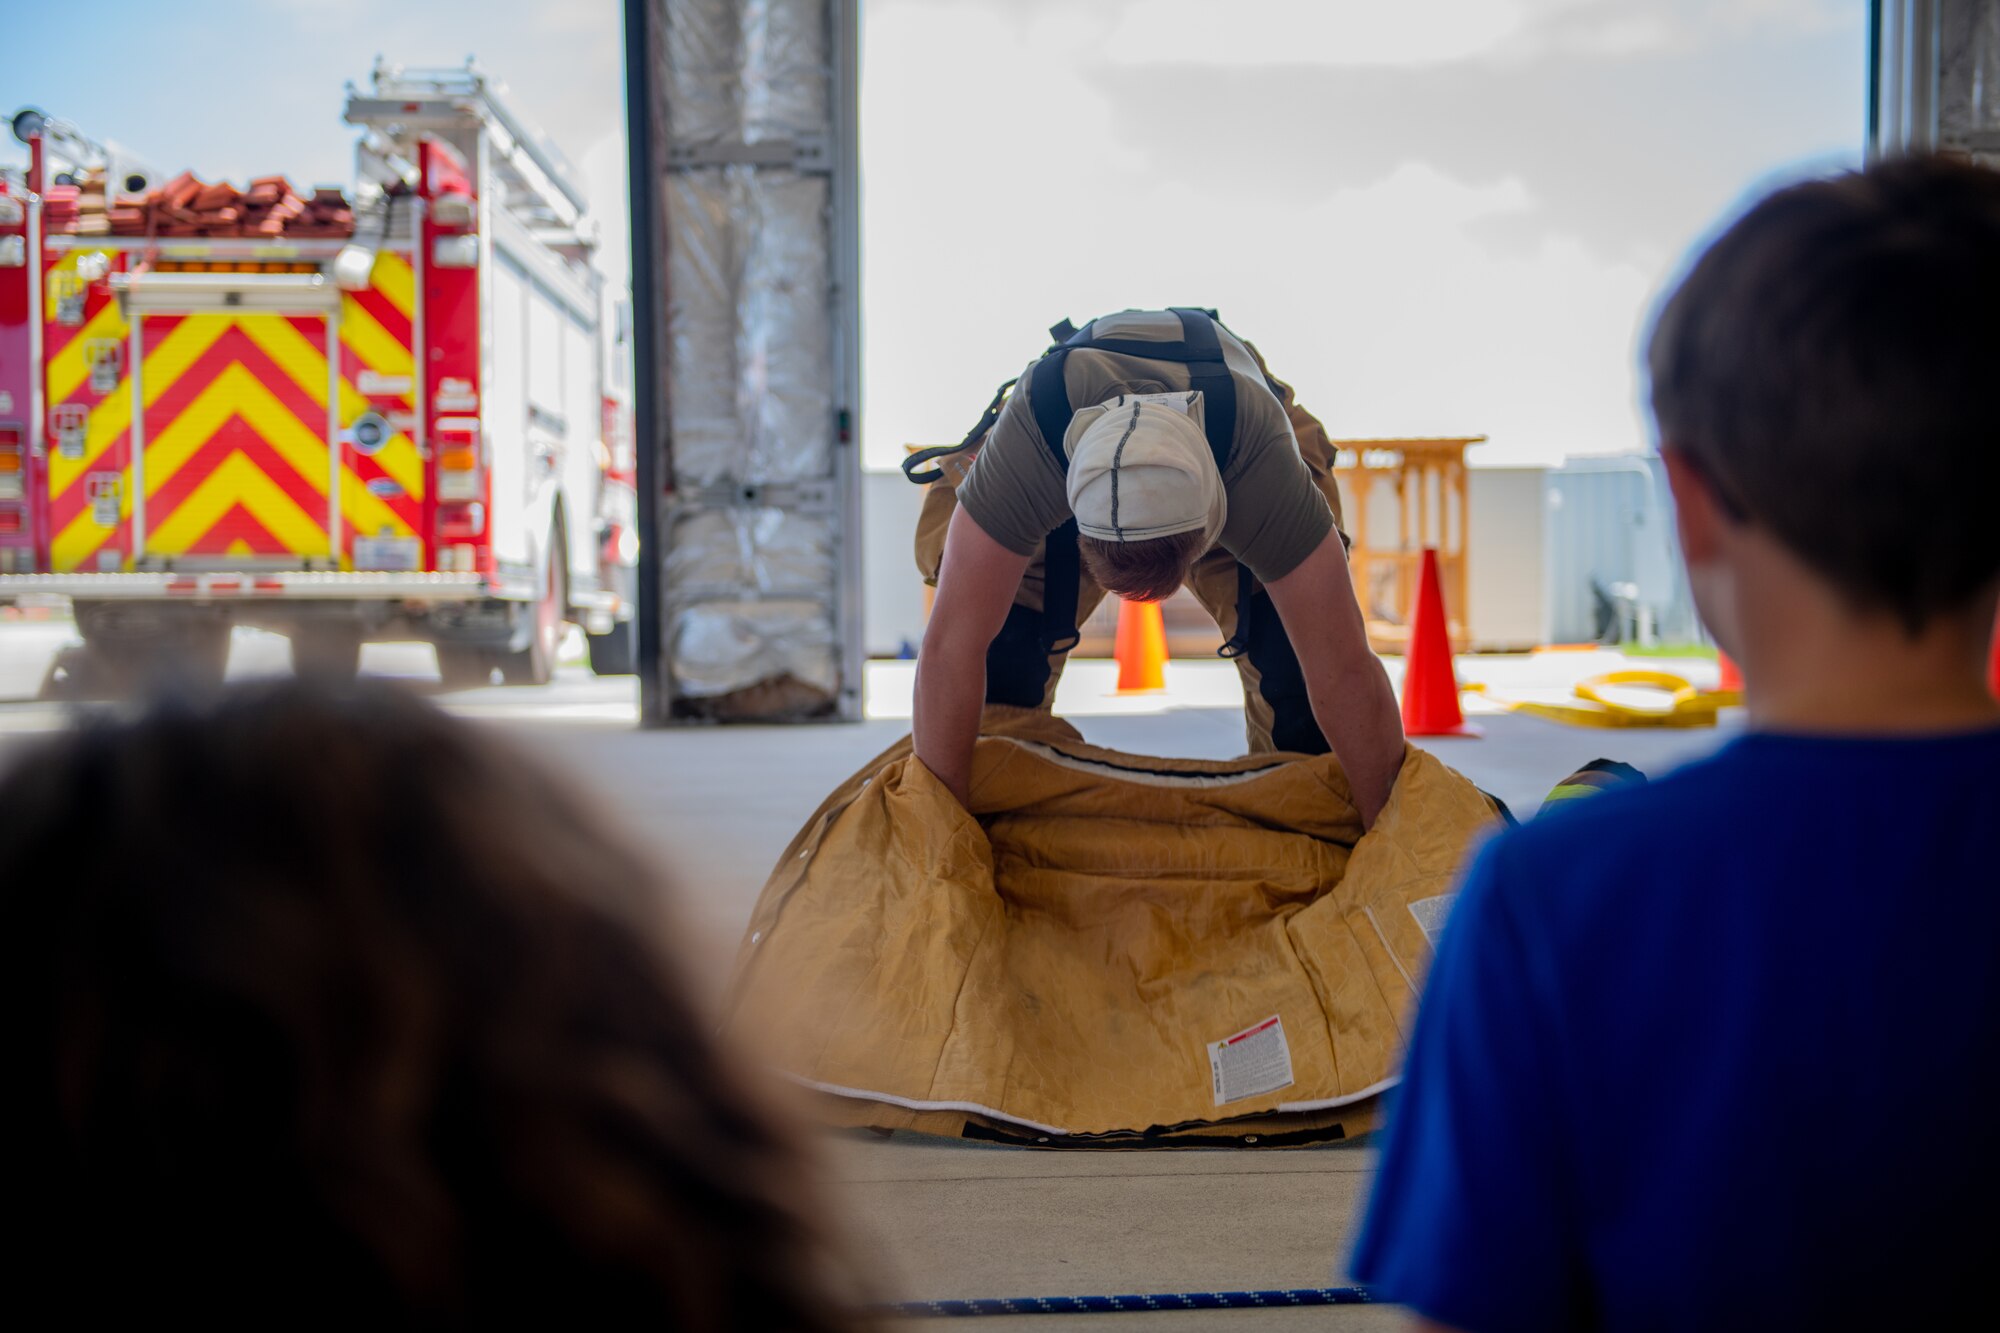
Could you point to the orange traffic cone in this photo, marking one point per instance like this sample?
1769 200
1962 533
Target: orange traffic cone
1141 648
1728 690
1430 687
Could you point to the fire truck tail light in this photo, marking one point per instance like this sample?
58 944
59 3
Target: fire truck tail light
462 520
460 559
458 475
455 251
10 520
11 480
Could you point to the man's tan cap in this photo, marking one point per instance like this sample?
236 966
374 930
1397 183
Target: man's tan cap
1140 467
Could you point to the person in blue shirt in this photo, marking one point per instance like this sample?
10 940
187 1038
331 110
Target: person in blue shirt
1724 1051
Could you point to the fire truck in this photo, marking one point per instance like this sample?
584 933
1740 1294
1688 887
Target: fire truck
389 424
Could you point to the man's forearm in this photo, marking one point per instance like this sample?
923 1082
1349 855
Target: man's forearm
950 688
1357 713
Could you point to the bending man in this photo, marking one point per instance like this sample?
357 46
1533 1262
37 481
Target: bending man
1147 450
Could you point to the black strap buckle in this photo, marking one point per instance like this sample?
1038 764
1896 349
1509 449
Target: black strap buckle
972 437
1239 642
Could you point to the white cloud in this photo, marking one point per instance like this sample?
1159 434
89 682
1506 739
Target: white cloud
994 208
1325 32
1612 30
1358 33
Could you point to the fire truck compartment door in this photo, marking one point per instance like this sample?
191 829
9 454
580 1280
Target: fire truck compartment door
177 293
234 456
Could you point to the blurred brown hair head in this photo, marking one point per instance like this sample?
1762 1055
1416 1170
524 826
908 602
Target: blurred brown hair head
1828 366
1142 571
334 1012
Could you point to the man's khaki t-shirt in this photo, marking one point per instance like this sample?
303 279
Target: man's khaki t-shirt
1016 491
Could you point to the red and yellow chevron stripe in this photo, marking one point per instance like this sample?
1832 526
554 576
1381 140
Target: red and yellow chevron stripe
239 432
104 461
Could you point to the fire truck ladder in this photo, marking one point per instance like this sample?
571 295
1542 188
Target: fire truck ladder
459 104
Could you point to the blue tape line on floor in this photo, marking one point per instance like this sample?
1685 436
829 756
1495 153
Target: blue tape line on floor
1166 1300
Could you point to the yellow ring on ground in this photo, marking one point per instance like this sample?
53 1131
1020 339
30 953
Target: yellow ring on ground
1685 697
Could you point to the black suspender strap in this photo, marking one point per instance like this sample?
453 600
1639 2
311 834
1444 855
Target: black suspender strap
1209 376
1049 396
1062 572
1201 351
1062 566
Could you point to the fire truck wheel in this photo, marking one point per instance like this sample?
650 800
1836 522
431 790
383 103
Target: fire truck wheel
612 654
326 654
536 663
205 653
464 668
190 657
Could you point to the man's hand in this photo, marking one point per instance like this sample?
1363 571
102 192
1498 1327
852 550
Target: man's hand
1351 698
976 587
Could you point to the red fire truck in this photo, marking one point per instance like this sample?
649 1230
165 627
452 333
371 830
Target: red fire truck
382 419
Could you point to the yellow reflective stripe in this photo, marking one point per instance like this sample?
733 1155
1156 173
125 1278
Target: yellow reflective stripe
75 542
239 482
185 344
236 392
302 361
371 342
366 514
67 368
399 459
380 351
397 282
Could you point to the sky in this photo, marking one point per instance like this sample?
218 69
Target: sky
238 88
1441 218
1445 218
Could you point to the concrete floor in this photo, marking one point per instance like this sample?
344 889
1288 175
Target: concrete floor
932 1219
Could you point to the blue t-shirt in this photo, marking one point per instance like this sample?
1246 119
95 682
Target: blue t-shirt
1722 1052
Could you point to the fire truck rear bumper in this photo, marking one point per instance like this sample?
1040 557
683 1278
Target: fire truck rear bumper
288 586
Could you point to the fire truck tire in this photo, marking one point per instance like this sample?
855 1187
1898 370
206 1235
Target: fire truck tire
193 657
326 654
205 650
536 663
612 654
464 668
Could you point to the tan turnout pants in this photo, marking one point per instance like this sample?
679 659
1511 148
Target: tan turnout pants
1213 581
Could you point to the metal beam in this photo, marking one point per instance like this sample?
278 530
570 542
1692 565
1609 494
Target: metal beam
643 137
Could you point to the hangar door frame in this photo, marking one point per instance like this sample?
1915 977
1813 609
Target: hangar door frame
733 154
1932 66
